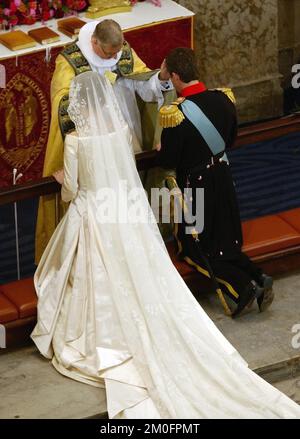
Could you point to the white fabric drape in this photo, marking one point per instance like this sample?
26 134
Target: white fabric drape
112 309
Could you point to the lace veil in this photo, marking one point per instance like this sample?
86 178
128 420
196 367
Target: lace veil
93 106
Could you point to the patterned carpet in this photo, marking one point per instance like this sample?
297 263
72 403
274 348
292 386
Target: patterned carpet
266 175
27 211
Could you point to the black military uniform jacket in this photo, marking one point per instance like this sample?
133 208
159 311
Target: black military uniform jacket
184 149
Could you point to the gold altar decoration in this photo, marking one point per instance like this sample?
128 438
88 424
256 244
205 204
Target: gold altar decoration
25 115
99 8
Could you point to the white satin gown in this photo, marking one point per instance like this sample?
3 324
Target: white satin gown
113 311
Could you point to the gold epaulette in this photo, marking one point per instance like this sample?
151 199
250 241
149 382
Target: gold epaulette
228 92
170 116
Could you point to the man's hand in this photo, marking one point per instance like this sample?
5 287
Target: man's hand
158 147
164 75
59 176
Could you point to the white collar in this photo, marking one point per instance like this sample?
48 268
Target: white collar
85 45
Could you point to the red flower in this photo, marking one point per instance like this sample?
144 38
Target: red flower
13 20
29 11
29 20
13 7
81 4
46 15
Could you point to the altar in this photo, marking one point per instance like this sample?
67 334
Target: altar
25 77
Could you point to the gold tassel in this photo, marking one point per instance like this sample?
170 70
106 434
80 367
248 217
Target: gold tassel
170 116
228 92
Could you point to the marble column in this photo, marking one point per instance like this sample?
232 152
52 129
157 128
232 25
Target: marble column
288 37
236 42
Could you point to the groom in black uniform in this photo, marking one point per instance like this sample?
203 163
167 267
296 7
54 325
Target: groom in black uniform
198 128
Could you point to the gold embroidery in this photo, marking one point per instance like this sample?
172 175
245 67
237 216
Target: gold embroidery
24 107
30 108
112 77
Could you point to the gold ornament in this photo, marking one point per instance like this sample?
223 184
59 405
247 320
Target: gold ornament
170 116
24 110
99 8
228 92
110 76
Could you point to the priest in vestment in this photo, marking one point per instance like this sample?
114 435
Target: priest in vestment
100 47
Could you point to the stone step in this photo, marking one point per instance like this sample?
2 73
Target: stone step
284 375
31 388
280 371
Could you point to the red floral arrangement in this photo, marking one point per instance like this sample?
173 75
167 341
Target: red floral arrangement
13 12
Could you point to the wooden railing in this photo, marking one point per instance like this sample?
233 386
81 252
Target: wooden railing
48 185
268 130
146 160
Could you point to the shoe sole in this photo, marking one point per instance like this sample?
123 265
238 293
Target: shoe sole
267 300
268 283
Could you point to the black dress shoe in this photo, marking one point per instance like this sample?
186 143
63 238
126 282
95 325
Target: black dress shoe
252 291
265 300
265 281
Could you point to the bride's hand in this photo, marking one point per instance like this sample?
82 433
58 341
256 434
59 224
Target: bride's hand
158 147
59 176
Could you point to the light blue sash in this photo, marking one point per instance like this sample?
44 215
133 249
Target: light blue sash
207 130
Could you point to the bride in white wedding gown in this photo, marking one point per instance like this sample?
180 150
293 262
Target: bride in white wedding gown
112 309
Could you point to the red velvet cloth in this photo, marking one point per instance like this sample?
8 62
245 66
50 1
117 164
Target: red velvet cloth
23 139
153 43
